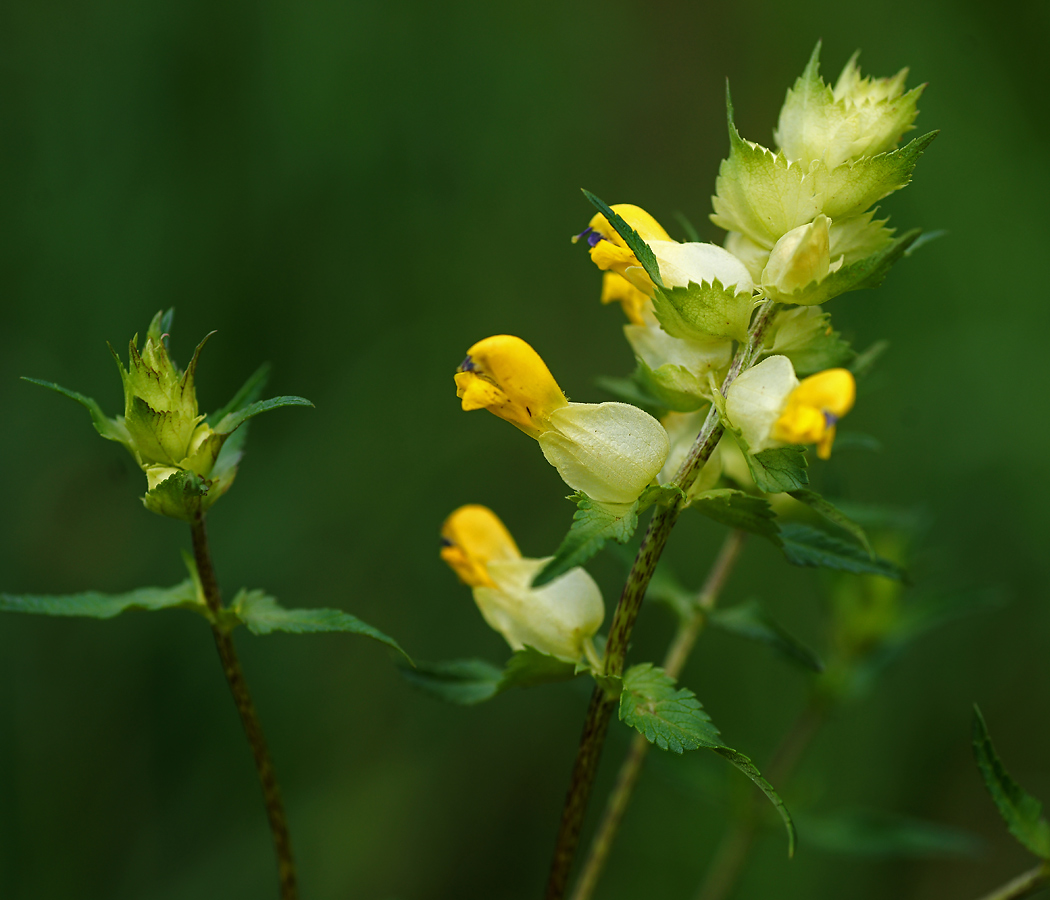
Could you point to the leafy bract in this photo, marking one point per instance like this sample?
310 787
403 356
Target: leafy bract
673 719
778 469
749 620
232 421
830 512
1019 809
594 523
466 682
182 495
95 605
738 509
701 312
804 545
263 615
804 335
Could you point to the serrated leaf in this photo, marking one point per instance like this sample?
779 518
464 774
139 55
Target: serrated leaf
875 833
95 605
779 469
232 421
738 509
181 495
110 429
744 764
830 512
249 393
807 546
593 524
666 715
1019 809
263 615
642 251
749 620
460 681
703 311
530 667
869 272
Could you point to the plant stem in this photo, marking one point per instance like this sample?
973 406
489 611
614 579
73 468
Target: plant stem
231 667
677 654
729 859
1023 885
599 711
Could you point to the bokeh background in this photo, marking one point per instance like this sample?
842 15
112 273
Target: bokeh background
357 191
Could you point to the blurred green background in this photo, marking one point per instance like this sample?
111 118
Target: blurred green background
357 192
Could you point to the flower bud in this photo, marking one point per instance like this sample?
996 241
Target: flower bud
771 407
800 258
610 451
559 618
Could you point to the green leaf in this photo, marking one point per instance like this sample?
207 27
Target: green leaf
703 311
249 393
110 429
691 234
821 506
749 620
593 524
875 833
778 470
1020 810
744 764
104 606
631 238
460 681
232 421
529 667
804 335
675 387
869 272
263 615
807 546
738 509
666 715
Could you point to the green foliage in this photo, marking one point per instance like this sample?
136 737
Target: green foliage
110 429
466 682
180 496
738 509
263 615
701 312
638 247
804 335
744 764
869 272
594 523
1019 809
749 620
249 393
232 421
804 545
631 390
675 387
819 505
94 605
875 833
666 715
778 470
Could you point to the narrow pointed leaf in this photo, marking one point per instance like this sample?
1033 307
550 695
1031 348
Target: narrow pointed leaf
631 238
249 393
744 764
263 615
95 605
234 420
464 682
876 833
807 546
749 620
830 512
738 509
109 428
1019 809
529 667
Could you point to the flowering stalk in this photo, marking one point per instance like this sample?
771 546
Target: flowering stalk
601 706
231 667
630 769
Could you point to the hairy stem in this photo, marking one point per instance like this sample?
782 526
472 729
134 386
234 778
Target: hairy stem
729 859
631 767
242 698
601 706
1023 885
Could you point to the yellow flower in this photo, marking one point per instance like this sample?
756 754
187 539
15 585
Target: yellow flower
610 451
559 619
771 407
611 254
814 408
